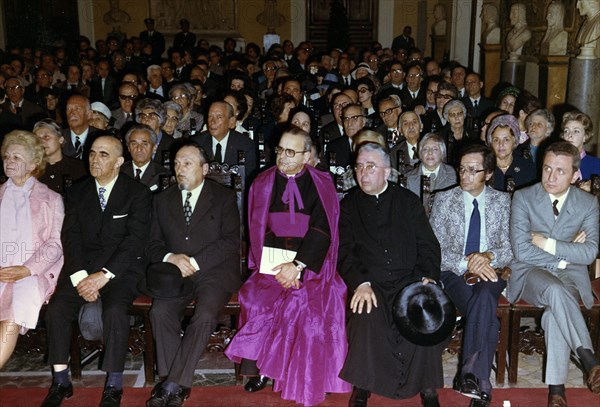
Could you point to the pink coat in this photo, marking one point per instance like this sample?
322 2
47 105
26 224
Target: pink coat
47 213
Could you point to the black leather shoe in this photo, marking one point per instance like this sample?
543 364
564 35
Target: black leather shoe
484 401
176 400
56 394
186 391
359 397
159 397
111 397
469 386
430 400
256 383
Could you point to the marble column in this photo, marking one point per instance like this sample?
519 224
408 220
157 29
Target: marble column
490 66
584 91
553 75
513 71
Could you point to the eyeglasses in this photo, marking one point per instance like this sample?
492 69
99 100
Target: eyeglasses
179 97
413 75
373 60
340 106
363 90
172 119
166 68
389 111
270 68
370 168
15 87
352 119
396 71
470 171
442 96
149 116
128 97
288 151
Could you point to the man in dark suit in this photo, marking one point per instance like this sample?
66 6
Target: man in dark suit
554 234
221 143
141 143
470 222
477 105
17 112
397 73
156 87
184 38
404 41
335 129
106 226
413 94
390 109
408 149
128 94
154 38
182 70
79 136
196 227
354 118
104 87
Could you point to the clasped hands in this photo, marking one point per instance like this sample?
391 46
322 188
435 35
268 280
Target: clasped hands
12 274
89 287
479 264
364 296
540 240
287 275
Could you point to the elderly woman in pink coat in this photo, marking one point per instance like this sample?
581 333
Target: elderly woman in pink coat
31 256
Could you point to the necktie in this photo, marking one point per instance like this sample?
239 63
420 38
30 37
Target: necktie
187 209
347 81
78 147
475 104
554 207
128 117
395 137
414 153
101 192
473 234
138 174
218 154
414 95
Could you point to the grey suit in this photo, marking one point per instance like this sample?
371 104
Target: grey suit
446 178
478 302
536 275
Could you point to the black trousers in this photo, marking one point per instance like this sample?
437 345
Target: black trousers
63 311
177 356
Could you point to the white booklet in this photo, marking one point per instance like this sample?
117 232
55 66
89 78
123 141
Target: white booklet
273 257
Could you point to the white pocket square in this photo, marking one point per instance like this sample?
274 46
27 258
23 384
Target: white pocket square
119 216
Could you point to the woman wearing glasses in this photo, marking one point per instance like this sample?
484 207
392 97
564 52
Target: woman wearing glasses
366 91
455 132
191 121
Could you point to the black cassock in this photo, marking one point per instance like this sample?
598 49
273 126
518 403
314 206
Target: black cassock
387 241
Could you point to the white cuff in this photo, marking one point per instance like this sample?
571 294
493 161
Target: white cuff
550 246
194 264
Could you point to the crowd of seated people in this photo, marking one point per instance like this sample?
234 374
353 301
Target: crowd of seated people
121 126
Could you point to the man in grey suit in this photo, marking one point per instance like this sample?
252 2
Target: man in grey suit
554 234
470 222
141 142
432 153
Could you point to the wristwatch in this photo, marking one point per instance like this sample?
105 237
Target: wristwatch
299 266
107 274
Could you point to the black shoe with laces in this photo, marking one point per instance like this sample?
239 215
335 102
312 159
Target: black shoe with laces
111 397
56 394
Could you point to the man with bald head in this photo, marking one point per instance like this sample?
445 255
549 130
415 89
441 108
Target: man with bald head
107 222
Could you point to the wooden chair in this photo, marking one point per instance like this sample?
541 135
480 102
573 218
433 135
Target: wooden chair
529 341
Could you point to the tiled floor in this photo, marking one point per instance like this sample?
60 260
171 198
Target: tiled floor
214 369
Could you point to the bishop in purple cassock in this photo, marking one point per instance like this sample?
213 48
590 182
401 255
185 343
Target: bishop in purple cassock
292 324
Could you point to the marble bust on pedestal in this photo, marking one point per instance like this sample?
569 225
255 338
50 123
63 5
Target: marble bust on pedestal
489 18
439 24
520 33
555 39
588 37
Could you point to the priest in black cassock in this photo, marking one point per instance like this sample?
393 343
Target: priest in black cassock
386 242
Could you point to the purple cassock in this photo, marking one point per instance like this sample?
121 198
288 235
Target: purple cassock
297 336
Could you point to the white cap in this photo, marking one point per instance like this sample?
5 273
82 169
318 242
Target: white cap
101 108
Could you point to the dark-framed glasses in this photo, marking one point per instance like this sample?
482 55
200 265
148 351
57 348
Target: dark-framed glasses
470 171
352 119
288 151
128 97
389 111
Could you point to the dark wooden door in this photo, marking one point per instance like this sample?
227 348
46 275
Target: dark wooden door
362 22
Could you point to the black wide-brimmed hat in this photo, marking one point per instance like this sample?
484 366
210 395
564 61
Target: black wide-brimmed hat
164 281
424 314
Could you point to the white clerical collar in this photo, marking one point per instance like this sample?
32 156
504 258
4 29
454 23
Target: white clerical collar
383 190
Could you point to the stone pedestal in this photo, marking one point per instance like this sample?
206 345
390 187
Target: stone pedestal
490 66
438 47
513 71
584 90
554 71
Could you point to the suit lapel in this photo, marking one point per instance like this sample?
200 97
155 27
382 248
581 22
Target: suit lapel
175 205
545 207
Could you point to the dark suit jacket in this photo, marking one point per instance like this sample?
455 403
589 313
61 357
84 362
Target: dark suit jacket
184 76
29 114
183 40
68 147
343 154
332 129
402 42
432 122
166 142
408 103
109 96
212 238
236 142
151 177
484 106
157 41
114 239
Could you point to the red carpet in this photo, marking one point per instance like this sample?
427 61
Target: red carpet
236 397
